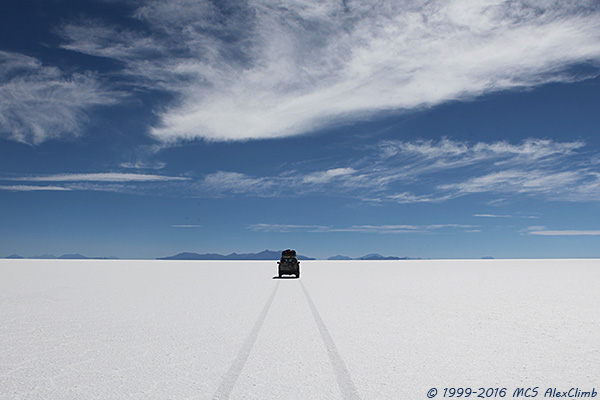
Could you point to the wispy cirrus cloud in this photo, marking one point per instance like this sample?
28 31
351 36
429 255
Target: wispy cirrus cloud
99 177
580 184
41 102
447 152
390 172
376 229
32 188
287 183
328 175
505 216
224 182
516 181
284 228
101 181
409 172
565 233
263 69
539 167
409 198
396 229
143 165
543 231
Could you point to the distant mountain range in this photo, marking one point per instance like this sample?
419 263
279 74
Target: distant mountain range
272 255
263 255
371 257
63 257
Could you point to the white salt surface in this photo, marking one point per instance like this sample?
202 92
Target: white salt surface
346 330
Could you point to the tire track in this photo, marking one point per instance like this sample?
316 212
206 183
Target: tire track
230 378
342 375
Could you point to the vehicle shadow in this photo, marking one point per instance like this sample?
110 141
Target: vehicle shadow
285 277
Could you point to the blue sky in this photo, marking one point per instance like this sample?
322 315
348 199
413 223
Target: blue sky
435 129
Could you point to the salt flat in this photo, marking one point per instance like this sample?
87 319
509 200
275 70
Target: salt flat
359 329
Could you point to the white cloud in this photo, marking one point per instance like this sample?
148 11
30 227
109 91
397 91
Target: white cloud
377 229
409 172
41 102
397 172
445 153
327 176
505 216
554 184
408 198
285 184
382 229
565 233
30 188
143 165
267 69
538 167
100 177
534 228
284 228
234 182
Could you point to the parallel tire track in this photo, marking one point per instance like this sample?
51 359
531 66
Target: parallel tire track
230 378
341 372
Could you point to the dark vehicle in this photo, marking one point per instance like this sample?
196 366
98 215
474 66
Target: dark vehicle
289 264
